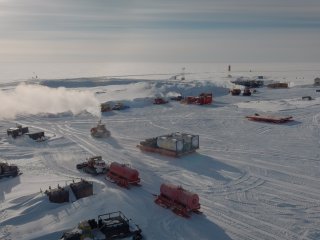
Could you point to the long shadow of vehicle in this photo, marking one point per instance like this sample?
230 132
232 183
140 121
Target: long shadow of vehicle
6 186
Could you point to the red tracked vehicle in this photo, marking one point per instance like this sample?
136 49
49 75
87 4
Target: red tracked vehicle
181 201
202 99
123 175
159 101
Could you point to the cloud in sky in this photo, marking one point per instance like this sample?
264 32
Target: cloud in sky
148 30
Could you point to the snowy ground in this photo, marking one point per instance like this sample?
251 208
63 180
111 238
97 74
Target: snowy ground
255 180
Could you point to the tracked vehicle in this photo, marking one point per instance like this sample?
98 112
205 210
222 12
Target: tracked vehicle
100 131
17 131
7 170
113 225
94 165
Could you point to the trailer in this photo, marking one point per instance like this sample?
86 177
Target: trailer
37 136
123 175
269 118
174 145
114 225
180 201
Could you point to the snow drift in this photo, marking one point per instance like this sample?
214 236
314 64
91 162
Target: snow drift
35 99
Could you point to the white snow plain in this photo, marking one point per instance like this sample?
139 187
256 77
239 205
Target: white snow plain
255 180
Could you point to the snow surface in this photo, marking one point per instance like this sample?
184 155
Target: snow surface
255 180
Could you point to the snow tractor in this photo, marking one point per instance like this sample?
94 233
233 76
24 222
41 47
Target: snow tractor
113 225
174 145
181 201
94 165
17 131
37 136
100 131
7 170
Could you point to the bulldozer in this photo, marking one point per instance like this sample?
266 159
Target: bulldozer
94 165
100 131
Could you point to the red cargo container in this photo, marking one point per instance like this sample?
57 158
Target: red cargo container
204 98
180 200
123 175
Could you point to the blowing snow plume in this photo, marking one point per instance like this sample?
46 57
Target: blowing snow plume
35 99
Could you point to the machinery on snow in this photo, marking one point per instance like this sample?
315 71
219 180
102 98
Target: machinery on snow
121 174
113 225
93 165
7 170
100 131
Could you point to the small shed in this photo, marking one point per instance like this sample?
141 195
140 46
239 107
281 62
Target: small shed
317 81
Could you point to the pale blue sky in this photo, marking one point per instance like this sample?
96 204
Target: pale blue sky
159 31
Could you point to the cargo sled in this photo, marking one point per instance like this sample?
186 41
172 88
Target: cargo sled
123 175
179 200
37 136
174 145
270 119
